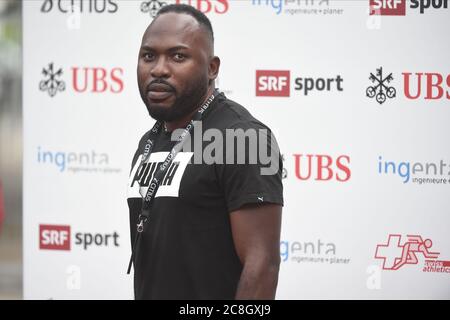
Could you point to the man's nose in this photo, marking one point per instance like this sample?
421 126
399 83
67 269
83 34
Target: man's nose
160 68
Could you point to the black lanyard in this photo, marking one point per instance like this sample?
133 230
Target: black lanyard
162 169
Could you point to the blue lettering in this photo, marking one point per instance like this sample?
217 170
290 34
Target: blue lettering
284 250
386 167
276 4
46 155
406 173
379 165
60 161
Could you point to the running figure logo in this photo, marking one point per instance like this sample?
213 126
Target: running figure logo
395 255
152 7
51 84
380 90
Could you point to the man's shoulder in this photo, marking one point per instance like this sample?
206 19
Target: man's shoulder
232 115
144 138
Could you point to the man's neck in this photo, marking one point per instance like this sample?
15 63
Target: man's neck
183 122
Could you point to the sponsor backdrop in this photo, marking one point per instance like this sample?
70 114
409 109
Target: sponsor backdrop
357 93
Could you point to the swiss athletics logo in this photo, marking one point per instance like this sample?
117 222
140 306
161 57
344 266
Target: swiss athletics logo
388 7
396 254
272 83
54 237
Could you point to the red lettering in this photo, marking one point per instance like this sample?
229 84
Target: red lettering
99 75
200 7
407 89
321 167
297 166
206 6
225 6
116 79
54 237
437 85
448 85
343 168
75 83
272 83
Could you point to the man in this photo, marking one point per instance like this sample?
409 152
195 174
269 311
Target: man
213 229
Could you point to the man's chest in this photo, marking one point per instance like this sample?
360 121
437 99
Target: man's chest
182 179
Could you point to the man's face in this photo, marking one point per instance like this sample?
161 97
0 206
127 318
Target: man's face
173 66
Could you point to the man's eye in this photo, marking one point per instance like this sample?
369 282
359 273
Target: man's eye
148 56
179 57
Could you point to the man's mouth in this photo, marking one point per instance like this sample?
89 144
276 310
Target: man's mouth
159 95
159 92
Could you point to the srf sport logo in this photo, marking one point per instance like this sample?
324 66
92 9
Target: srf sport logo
276 83
58 237
398 7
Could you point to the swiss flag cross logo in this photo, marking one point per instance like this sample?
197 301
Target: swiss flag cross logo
395 254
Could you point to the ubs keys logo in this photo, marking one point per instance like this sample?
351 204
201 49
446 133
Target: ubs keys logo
54 237
52 82
381 89
152 7
272 83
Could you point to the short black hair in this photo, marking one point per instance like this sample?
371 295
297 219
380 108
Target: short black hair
201 18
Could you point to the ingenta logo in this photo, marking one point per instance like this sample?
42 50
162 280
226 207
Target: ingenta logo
416 172
90 162
304 7
310 252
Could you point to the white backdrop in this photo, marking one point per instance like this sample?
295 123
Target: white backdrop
79 142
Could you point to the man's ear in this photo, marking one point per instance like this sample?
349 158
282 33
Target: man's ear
213 68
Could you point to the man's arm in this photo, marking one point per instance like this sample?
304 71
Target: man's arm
256 233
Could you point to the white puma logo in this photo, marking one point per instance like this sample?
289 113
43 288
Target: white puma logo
261 198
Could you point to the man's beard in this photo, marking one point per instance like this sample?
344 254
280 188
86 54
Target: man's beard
183 105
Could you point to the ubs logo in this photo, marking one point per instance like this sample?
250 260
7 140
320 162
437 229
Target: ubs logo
152 7
52 82
82 80
380 88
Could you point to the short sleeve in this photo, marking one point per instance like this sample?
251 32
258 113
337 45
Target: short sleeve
252 174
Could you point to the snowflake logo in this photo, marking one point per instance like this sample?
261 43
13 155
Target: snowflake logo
152 7
51 83
380 90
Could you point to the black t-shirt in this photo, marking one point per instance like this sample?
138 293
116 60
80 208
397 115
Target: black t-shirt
186 250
